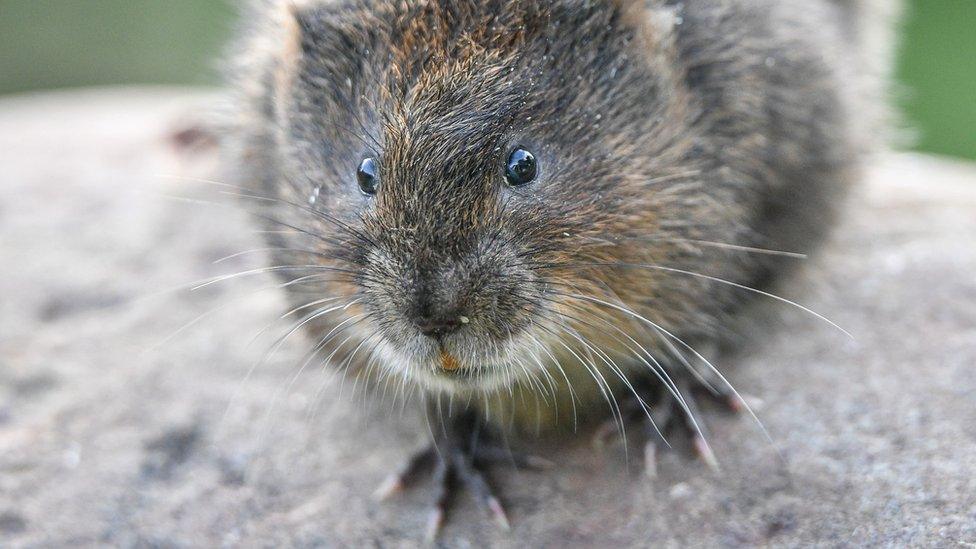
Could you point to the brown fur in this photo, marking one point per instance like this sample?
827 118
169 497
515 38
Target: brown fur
662 129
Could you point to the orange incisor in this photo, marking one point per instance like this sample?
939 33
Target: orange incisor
448 362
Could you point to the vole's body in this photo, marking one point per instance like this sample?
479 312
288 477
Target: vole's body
673 139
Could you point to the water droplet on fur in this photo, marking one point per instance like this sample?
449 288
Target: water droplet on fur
315 196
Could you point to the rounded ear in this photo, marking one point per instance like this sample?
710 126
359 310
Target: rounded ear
288 16
656 25
656 19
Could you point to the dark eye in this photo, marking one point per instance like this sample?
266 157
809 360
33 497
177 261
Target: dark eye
522 168
367 176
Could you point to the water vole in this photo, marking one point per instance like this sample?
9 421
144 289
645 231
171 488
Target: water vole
478 201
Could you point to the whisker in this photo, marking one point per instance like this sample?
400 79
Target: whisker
594 372
316 399
683 344
572 393
615 368
273 249
616 239
274 269
722 281
317 213
258 215
656 368
257 364
243 192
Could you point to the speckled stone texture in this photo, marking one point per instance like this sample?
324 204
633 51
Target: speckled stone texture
118 429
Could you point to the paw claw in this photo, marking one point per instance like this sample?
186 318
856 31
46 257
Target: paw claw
650 460
498 513
434 523
736 404
705 453
390 486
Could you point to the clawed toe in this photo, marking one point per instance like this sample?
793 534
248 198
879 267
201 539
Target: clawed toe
413 469
445 487
451 468
472 477
668 414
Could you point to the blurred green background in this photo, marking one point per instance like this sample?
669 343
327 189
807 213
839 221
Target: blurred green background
62 43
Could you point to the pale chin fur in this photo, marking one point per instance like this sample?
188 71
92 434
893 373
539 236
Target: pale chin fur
420 366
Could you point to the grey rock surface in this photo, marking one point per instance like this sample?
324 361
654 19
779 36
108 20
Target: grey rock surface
118 427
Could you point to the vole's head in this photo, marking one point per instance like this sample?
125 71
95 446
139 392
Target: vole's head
460 161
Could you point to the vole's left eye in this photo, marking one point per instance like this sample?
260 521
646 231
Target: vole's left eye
368 177
522 168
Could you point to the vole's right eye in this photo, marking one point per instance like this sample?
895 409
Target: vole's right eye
367 176
522 168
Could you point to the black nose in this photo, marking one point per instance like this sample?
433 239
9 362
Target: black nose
437 325
437 315
436 301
